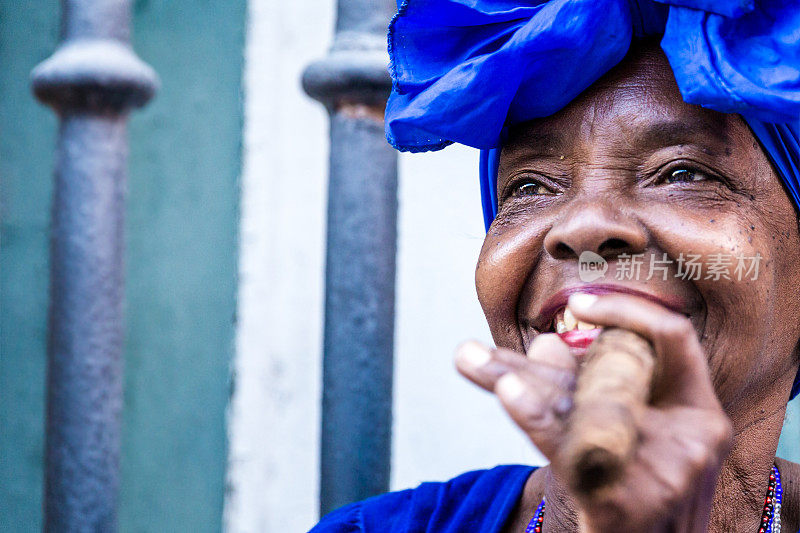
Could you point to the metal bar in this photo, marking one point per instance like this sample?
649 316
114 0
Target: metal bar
353 83
91 81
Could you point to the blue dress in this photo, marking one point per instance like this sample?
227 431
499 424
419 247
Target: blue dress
480 501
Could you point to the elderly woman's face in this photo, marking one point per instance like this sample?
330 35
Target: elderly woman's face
630 169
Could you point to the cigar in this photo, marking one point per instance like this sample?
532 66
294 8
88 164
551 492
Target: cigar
611 391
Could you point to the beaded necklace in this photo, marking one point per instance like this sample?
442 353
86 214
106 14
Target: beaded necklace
770 517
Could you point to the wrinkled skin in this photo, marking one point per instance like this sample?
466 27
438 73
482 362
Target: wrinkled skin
630 168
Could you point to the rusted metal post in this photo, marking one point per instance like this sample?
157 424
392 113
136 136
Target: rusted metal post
353 83
91 81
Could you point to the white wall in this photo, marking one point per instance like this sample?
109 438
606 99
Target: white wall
274 414
443 425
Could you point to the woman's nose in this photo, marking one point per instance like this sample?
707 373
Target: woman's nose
596 228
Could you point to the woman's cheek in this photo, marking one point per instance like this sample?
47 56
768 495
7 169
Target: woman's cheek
736 284
508 258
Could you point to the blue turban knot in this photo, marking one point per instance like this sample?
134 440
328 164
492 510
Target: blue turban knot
463 70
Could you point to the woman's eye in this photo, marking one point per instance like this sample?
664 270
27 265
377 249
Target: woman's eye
532 189
685 175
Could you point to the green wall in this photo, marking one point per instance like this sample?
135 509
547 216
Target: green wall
181 254
27 134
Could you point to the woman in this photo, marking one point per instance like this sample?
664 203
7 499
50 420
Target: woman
591 147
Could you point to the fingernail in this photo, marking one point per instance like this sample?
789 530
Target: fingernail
509 387
473 354
581 301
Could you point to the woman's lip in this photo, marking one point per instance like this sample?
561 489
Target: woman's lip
579 339
559 300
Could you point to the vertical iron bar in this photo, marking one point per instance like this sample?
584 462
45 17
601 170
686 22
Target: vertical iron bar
353 83
91 81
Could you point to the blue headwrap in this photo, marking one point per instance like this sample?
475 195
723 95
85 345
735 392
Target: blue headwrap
462 70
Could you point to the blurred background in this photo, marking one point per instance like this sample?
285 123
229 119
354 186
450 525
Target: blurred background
225 279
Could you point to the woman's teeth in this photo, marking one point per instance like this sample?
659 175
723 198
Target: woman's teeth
566 321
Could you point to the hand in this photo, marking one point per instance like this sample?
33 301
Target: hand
684 433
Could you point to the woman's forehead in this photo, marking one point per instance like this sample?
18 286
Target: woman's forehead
638 105
627 134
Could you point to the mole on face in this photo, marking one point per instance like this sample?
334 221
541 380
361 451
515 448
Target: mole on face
628 168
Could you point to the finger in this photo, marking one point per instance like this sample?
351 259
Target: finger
684 373
548 361
703 436
536 409
475 361
663 473
681 453
549 349
622 503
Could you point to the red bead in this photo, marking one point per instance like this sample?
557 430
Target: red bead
537 529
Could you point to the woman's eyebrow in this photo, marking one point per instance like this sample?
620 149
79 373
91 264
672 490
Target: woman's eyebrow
543 142
696 131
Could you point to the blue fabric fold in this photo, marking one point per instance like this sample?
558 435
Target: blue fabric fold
463 70
482 501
